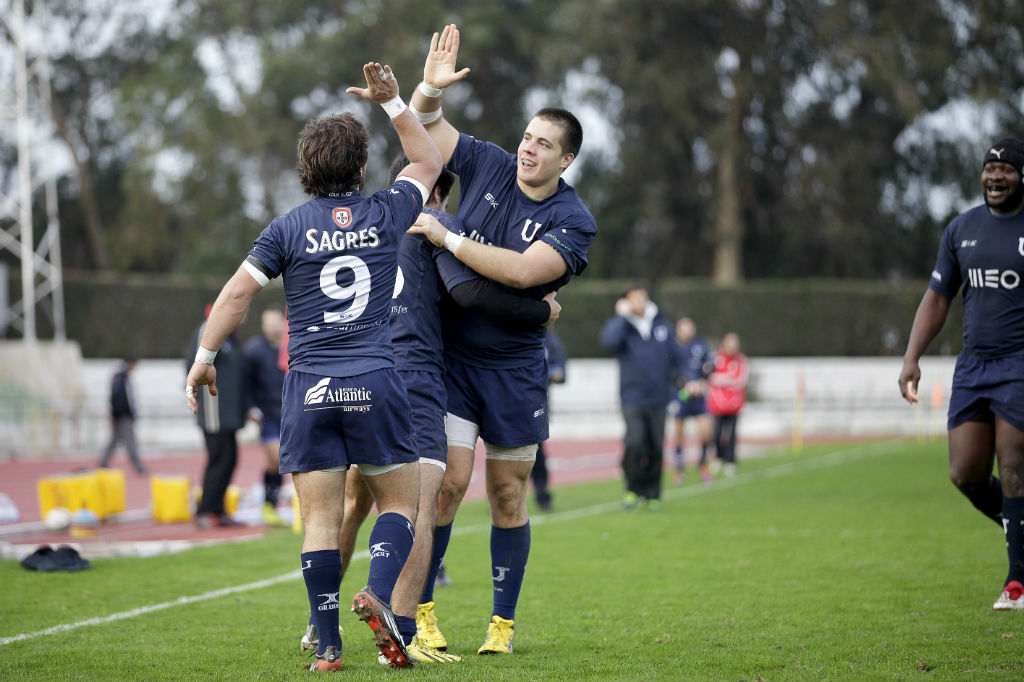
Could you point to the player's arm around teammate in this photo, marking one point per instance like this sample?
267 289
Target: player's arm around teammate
539 264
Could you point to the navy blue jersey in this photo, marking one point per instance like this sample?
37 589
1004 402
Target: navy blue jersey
495 211
483 340
264 379
984 253
415 310
697 359
339 258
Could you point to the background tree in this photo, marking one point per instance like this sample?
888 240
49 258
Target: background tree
729 139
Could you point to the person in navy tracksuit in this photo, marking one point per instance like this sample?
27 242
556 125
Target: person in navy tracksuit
648 366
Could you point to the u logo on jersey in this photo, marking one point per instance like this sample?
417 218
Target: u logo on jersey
526 226
342 216
1020 246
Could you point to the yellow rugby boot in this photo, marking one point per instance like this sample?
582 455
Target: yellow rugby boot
499 636
426 628
419 652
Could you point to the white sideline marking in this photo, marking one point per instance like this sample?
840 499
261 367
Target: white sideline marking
830 459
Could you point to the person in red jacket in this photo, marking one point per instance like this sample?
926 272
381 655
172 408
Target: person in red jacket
727 393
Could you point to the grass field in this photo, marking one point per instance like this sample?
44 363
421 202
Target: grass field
843 563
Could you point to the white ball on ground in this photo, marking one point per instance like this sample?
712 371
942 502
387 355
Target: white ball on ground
57 518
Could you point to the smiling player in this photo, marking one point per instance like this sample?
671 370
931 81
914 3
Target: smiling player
528 230
982 254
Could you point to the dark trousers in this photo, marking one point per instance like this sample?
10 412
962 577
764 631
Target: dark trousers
725 437
644 441
221 457
124 433
539 476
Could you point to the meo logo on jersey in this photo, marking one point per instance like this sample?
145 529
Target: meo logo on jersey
992 278
342 216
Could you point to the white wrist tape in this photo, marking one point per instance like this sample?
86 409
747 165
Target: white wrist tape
394 106
452 241
205 355
429 90
425 118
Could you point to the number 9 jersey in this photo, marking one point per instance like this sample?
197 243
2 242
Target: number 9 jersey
338 255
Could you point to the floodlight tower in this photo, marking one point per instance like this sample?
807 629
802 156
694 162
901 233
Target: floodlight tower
41 279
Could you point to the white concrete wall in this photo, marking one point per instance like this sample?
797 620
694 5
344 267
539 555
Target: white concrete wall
844 396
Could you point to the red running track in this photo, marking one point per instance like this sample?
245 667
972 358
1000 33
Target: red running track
568 462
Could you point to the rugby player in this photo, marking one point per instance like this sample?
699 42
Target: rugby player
343 401
264 381
690 401
527 229
419 359
981 254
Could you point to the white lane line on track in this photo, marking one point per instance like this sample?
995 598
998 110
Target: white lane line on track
797 466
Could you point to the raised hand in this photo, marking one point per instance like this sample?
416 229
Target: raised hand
381 84
439 69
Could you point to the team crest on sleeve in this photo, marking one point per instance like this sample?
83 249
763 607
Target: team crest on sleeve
342 215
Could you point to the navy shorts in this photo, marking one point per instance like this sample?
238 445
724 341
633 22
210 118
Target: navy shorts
509 405
329 422
691 407
985 388
270 429
427 397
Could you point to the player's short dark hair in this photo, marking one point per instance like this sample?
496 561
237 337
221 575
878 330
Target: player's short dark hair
332 152
572 131
444 184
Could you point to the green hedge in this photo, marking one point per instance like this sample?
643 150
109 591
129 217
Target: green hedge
797 317
151 316
148 316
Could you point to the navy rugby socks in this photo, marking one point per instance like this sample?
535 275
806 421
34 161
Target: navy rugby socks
986 498
322 572
510 548
390 544
271 486
406 628
1013 526
442 536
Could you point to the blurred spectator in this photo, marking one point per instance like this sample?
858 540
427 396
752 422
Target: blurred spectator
648 365
122 417
264 380
220 417
727 393
689 402
554 352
